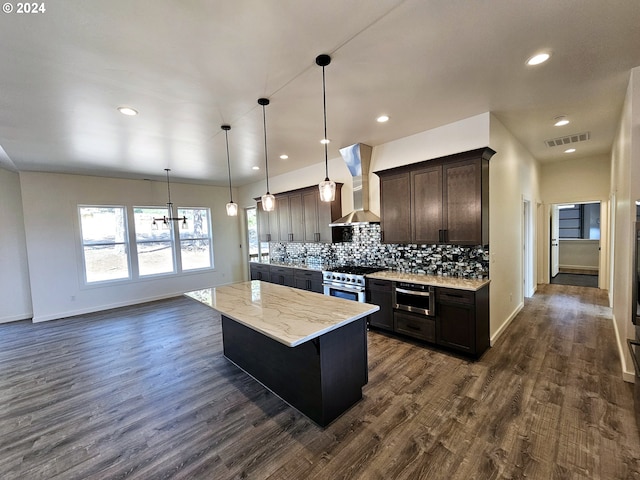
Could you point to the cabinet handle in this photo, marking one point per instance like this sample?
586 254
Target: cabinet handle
268 237
446 236
290 237
441 236
316 236
412 327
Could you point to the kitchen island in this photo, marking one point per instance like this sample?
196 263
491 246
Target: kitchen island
307 348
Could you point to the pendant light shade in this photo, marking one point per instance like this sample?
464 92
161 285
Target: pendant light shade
327 187
268 200
232 207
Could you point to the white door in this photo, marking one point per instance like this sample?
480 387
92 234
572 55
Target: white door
555 244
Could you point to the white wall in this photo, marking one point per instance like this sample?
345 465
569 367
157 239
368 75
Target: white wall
625 189
514 177
53 241
577 180
15 300
579 254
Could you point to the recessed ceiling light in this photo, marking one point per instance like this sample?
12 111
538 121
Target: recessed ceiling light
570 150
284 156
325 140
538 58
255 168
127 111
561 121
383 118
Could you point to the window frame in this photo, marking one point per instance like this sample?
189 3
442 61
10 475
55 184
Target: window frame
172 240
208 238
126 243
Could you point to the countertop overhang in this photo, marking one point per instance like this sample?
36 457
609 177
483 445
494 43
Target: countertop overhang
470 284
288 315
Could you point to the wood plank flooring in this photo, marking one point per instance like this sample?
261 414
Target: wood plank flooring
144 393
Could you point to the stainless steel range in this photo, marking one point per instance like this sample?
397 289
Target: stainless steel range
347 282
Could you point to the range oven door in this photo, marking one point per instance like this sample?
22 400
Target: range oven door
344 291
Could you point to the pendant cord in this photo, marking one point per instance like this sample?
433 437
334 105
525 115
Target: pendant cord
266 163
324 108
226 134
169 204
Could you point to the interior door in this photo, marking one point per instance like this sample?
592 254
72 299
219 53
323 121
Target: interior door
555 244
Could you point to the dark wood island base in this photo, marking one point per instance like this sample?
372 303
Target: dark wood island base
321 378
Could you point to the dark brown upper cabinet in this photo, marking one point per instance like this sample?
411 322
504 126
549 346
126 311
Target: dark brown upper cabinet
299 216
444 200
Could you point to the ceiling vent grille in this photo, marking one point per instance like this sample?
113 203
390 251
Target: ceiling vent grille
576 137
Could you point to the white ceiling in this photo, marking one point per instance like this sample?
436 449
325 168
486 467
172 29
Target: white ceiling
191 66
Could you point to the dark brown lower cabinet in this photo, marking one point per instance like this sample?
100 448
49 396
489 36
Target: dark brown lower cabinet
414 325
462 320
308 280
281 275
259 271
379 292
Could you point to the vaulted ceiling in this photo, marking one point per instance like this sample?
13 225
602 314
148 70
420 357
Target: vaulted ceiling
188 67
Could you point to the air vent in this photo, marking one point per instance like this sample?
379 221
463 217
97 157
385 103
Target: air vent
575 138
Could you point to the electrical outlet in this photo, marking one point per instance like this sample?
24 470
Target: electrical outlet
73 298
511 297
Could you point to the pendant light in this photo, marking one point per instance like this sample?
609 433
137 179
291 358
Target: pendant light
268 200
232 207
169 218
327 187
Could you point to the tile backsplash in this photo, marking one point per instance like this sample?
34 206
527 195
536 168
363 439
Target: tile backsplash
365 248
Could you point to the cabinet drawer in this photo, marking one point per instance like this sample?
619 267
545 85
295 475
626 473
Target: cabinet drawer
451 295
380 285
416 326
281 270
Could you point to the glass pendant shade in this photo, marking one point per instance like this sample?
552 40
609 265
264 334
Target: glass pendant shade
327 190
268 202
232 209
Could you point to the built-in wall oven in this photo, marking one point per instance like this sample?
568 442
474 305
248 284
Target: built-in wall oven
347 282
414 298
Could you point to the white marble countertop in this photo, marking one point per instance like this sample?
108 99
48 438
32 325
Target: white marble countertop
433 280
288 315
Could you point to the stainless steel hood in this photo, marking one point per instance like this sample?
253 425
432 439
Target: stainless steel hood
358 160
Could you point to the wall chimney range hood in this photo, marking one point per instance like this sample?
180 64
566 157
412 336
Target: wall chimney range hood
358 160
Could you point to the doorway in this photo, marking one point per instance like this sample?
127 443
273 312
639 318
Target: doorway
527 249
575 244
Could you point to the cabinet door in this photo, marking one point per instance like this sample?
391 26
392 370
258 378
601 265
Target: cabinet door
462 202
284 218
310 281
379 293
296 218
310 211
267 225
282 276
395 202
426 205
456 319
259 272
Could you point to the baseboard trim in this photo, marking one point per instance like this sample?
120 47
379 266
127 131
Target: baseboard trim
506 323
16 318
100 308
627 375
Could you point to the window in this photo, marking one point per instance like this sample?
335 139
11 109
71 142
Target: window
252 234
580 221
104 243
195 240
154 247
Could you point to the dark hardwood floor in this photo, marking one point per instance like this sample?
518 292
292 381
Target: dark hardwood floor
144 392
